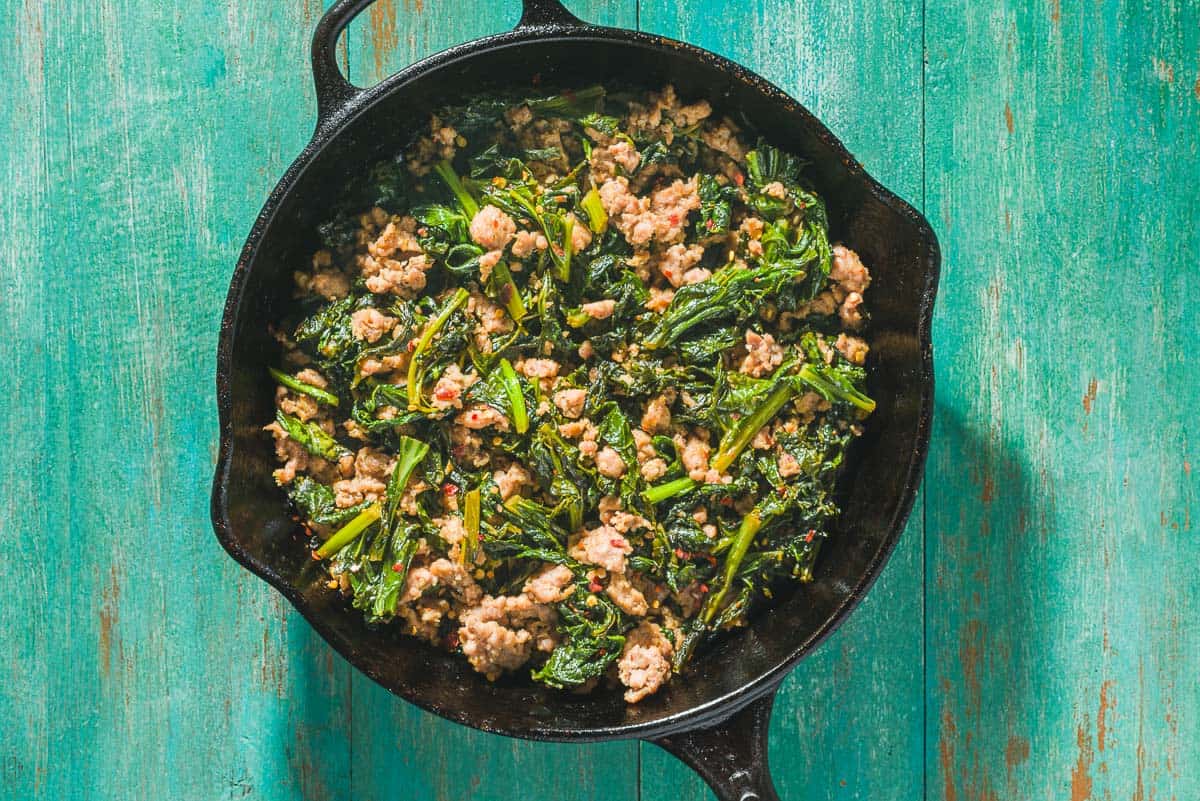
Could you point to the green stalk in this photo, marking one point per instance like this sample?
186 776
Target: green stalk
447 174
564 266
749 426
819 379
296 385
349 532
311 437
750 526
516 399
471 516
597 216
741 436
394 574
661 492
456 301
504 289
409 455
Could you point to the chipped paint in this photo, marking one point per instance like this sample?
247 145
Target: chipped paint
1016 752
946 756
1081 779
1108 701
110 599
384 37
1089 397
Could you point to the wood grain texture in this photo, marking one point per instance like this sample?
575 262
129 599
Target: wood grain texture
1062 170
1058 147
848 722
143 139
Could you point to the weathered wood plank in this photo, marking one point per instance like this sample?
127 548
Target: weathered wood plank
144 138
27 472
396 745
1062 171
848 723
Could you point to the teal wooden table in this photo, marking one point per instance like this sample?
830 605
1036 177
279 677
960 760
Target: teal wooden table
1035 635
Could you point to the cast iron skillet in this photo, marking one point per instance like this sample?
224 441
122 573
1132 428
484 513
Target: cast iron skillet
716 719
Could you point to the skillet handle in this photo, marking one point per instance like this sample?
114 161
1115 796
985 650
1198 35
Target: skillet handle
334 92
731 755
543 13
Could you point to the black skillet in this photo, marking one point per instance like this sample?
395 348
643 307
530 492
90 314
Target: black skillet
716 717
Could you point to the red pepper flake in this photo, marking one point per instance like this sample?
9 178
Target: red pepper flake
727 501
594 586
398 567
710 224
812 532
449 490
412 345
739 179
445 393
704 588
316 556
674 218
681 554
617 542
781 489
452 640
712 560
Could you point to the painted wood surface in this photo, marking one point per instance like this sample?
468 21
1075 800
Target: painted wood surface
1034 636
1063 561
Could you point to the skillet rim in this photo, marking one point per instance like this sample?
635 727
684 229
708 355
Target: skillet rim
330 125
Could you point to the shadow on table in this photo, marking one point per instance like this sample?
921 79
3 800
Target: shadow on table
990 581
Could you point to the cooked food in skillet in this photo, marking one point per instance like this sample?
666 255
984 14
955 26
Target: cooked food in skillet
571 384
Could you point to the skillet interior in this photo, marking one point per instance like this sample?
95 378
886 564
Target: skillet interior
251 515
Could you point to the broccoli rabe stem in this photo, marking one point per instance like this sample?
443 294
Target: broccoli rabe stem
410 454
296 385
446 172
669 489
746 532
505 290
700 627
471 522
349 532
749 426
832 386
516 398
415 373
739 438
597 216
563 266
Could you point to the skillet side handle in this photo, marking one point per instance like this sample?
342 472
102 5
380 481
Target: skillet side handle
730 755
334 91
542 13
